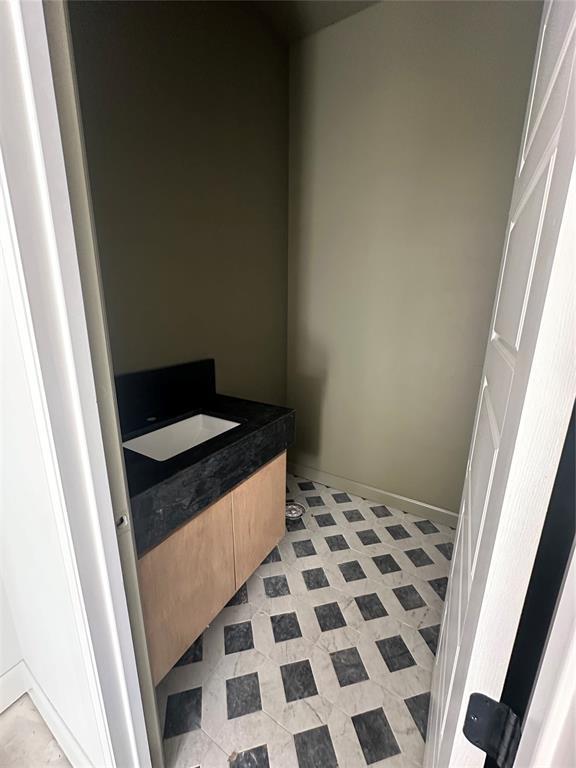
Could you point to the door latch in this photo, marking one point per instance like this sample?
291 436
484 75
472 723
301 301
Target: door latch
494 728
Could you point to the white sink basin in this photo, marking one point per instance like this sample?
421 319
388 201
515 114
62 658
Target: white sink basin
176 438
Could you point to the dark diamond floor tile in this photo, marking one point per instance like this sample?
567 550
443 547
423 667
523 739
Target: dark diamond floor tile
386 564
295 525
368 537
446 549
314 748
325 520
193 654
243 695
418 707
419 557
298 680
303 548
183 712
353 515
439 586
376 738
315 501
395 653
238 637
240 597
381 511
409 597
426 526
276 586
341 498
329 616
273 557
397 532
430 635
285 627
370 606
337 542
306 486
251 758
352 571
348 666
315 578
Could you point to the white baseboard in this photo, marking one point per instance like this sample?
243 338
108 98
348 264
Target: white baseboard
17 681
411 506
63 735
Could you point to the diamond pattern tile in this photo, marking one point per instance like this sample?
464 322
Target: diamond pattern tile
375 736
352 571
439 586
386 564
348 666
323 657
243 695
430 636
238 637
353 515
315 578
395 653
409 597
325 519
314 748
329 616
337 542
370 606
418 707
183 712
298 680
285 626
418 557
446 549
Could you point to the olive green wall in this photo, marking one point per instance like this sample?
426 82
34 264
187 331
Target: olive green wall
184 109
405 124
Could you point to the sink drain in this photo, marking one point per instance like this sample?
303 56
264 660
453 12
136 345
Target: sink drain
294 510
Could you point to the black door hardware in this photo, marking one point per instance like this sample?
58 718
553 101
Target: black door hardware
492 727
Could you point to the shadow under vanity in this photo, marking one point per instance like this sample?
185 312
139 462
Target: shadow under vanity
206 475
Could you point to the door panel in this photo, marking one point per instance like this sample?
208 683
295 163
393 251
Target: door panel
481 467
519 260
528 388
258 517
184 582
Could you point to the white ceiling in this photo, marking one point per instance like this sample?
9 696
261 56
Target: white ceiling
293 19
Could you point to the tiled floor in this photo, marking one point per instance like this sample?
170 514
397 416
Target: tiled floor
25 741
324 657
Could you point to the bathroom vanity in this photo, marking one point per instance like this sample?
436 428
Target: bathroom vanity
206 475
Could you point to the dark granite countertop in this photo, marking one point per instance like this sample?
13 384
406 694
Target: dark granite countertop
166 494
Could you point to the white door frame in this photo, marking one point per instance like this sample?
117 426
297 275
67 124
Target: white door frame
58 315
35 170
549 735
527 397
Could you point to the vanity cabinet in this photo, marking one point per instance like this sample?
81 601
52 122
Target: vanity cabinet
258 517
188 578
184 582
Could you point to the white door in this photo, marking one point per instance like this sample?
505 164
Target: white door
526 396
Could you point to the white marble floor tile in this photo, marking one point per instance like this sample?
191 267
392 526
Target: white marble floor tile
327 640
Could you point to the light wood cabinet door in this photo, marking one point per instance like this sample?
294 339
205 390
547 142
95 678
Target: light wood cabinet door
258 506
184 582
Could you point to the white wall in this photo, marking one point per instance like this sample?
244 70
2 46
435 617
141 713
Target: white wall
10 652
405 126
